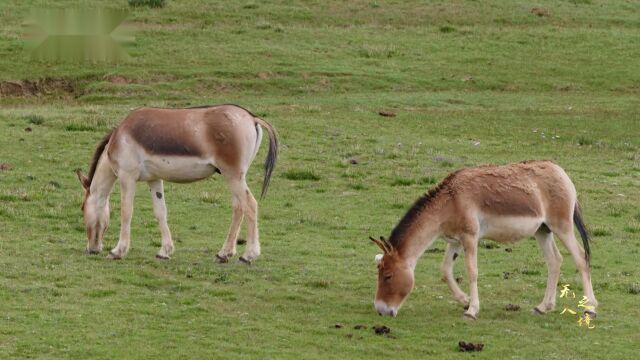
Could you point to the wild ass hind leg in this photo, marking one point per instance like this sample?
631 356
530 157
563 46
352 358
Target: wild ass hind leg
127 193
160 211
229 247
554 261
577 253
470 245
450 255
250 209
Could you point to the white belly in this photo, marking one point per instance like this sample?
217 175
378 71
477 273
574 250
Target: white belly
507 229
179 169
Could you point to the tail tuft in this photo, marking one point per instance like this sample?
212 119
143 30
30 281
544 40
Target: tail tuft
272 156
582 229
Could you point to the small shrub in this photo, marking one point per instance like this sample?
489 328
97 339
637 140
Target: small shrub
447 29
357 186
297 175
600 231
489 244
148 3
633 229
79 127
35 119
402 182
427 180
585 141
633 289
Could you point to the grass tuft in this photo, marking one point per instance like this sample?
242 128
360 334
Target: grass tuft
300 175
147 3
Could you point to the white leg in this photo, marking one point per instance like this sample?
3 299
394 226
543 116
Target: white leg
569 240
470 245
128 190
160 212
451 252
253 242
554 261
229 248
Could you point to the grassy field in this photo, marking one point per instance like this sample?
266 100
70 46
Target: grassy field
471 82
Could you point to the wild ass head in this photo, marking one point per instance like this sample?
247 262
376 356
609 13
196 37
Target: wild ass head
96 216
395 279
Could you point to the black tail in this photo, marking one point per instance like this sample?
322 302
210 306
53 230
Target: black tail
272 156
582 229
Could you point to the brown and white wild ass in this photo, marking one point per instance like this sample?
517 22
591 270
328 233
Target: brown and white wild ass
177 145
502 203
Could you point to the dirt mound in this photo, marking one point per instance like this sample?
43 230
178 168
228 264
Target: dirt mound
38 87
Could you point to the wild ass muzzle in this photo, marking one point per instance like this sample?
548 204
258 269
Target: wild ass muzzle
501 203
176 145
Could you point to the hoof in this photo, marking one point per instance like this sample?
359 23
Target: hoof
244 261
113 256
162 257
221 259
467 316
592 314
537 311
91 252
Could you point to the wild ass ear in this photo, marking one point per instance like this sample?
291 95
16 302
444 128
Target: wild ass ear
378 258
382 244
83 179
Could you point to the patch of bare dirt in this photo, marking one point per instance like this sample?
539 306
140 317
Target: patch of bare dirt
45 86
118 79
5 166
387 113
540 11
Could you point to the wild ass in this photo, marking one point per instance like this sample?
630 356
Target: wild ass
502 203
177 145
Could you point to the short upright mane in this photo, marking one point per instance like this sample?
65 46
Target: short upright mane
397 235
96 156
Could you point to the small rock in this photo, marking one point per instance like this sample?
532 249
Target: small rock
338 326
512 307
387 113
117 79
381 329
463 346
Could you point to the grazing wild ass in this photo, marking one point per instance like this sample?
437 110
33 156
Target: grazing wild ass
502 203
177 145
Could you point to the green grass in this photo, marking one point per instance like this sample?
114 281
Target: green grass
471 82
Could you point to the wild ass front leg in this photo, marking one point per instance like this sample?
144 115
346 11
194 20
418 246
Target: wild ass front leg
160 212
127 190
554 261
470 245
450 255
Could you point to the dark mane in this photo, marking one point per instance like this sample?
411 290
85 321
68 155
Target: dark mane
96 156
397 235
208 106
